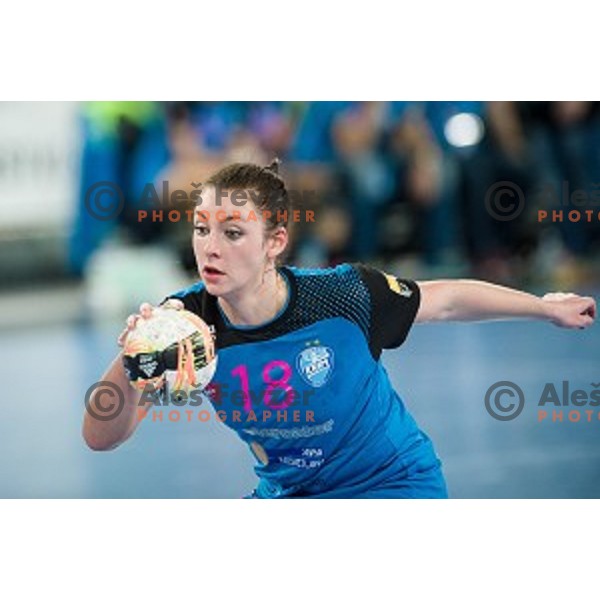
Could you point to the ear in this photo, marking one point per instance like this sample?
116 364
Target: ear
277 242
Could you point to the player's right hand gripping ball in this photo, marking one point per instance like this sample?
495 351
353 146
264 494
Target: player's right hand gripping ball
175 343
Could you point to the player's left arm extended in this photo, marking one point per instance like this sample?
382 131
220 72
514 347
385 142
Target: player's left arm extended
470 300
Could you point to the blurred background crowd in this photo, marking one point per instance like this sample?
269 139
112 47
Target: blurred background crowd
390 182
402 185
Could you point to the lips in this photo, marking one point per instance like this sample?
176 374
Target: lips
211 271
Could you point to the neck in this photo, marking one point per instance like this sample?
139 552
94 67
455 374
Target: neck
258 303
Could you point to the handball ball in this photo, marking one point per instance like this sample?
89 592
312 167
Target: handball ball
177 343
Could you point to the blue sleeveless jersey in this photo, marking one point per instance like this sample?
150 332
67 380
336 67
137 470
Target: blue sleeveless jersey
308 394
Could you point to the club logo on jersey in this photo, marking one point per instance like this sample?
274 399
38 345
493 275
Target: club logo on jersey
397 286
315 364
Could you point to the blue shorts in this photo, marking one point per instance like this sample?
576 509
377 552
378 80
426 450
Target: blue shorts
423 479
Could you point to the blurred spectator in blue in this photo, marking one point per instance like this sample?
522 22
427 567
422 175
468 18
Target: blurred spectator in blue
326 242
497 248
442 213
115 134
313 150
364 171
478 145
565 146
416 223
273 124
314 177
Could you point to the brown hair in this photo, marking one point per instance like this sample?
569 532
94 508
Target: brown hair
266 181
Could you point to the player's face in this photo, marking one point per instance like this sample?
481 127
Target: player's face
231 246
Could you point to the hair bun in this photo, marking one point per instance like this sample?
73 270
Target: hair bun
274 166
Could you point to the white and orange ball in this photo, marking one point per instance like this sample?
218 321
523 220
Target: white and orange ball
176 344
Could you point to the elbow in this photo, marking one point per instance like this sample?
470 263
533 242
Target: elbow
96 443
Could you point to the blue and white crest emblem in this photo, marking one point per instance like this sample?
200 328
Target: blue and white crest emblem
315 364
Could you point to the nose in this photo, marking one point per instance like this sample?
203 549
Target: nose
211 245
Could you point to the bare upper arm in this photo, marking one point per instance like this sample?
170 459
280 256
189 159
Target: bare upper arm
434 305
